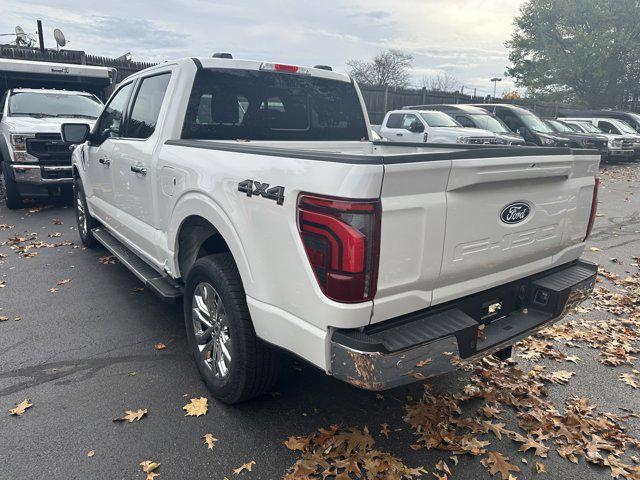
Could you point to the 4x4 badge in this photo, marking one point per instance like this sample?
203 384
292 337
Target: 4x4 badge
253 187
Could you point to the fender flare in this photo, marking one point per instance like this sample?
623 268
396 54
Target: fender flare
198 204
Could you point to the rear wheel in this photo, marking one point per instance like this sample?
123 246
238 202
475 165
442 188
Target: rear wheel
233 362
11 195
84 219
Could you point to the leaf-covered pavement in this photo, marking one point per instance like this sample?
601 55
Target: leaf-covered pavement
86 355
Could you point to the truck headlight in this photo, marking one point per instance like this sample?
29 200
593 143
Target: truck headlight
547 141
19 147
615 142
463 139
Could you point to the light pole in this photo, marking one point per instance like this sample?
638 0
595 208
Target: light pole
495 81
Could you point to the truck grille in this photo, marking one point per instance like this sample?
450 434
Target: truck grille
483 140
627 144
597 144
49 149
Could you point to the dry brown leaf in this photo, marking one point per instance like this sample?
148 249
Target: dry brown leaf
21 407
297 443
197 407
497 463
540 468
90 453
631 379
63 282
3 318
209 440
131 416
108 260
594 249
53 290
149 467
384 429
246 466
159 346
443 467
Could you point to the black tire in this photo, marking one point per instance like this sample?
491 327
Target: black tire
253 365
12 197
84 219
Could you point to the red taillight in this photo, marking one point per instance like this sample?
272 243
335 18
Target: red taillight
342 241
280 67
594 208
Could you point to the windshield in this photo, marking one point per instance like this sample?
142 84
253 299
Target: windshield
229 104
52 104
559 127
625 127
489 122
535 123
438 119
589 127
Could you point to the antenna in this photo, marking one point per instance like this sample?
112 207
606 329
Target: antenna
61 41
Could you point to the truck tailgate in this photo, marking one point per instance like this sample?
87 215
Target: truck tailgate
509 217
495 219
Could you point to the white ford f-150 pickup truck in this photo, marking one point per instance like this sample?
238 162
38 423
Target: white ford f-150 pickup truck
252 191
35 161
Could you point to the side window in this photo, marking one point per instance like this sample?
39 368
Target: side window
2 102
146 106
607 127
464 121
511 120
394 120
111 118
408 120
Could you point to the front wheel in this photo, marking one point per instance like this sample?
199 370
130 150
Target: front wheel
84 219
233 362
12 197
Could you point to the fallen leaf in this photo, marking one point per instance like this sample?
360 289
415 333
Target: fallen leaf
21 407
209 440
3 318
297 443
108 260
497 463
131 416
149 467
631 379
63 282
53 290
540 468
90 453
197 407
443 467
246 466
594 249
159 346
56 221
384 429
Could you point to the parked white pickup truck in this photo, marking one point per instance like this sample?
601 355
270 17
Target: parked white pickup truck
431 126
252 190
35 161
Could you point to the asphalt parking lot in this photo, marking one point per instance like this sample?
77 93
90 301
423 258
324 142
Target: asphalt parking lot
83 352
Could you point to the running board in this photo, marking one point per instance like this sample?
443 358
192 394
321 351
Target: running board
162 285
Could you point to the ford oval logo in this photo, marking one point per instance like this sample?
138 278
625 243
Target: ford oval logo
515 213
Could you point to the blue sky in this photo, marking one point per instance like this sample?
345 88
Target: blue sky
462 37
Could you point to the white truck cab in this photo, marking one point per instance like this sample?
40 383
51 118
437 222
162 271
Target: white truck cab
35 161
430 126
253 192
617 145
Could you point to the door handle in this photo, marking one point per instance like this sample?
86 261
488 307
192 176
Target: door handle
138 168
399 134
105 161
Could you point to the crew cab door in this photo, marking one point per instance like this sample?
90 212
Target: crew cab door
135 175
392 128
99 155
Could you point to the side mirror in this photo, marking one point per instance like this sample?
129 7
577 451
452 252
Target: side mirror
416 127
522 131
75 133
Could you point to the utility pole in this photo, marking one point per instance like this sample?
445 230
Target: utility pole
495 81
40 36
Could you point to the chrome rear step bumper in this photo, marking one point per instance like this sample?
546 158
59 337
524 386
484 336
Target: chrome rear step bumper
438 340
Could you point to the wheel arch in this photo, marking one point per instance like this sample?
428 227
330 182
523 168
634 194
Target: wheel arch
200 227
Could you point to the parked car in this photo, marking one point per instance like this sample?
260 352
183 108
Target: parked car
430 126
617 145
631 118
527 124
579 139
245 189
615 126
35 161
476 117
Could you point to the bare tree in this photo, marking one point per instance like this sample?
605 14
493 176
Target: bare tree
441 82
389 67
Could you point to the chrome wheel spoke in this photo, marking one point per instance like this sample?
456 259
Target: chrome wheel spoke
211 330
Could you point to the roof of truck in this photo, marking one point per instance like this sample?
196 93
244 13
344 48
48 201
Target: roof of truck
50 90
458 107
234 63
